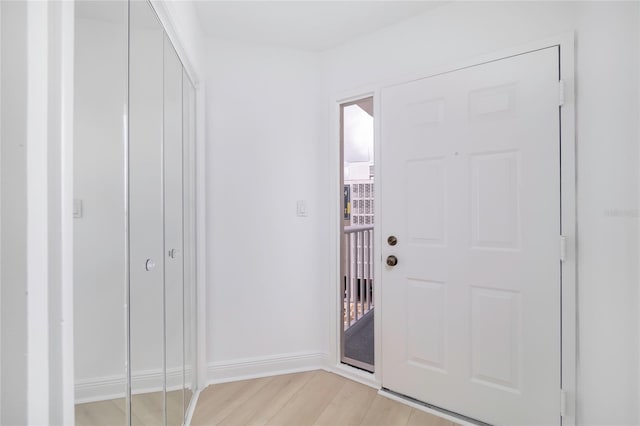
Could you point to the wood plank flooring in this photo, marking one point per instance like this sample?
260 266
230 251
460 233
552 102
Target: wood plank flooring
147 410
309 398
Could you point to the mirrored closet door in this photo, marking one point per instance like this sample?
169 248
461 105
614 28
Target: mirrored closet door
189 233
134 225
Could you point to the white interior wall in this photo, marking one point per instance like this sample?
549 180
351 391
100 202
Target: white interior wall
607 156
267 268
13 387
257 307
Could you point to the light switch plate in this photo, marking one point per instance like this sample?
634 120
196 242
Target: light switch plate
301 208
77 208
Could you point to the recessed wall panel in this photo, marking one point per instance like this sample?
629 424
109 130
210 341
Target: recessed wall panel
425 201
426 324
495 211
495 338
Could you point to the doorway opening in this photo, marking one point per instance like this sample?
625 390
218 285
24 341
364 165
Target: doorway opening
357 239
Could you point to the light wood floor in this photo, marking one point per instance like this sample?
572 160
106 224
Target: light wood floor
146 410
310 398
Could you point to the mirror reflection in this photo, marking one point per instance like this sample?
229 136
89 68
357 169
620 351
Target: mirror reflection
99 212
134 226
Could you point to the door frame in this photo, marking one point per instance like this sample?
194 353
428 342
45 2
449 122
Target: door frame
566 44
335 181
354 363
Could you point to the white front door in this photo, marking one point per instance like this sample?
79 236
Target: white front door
470 186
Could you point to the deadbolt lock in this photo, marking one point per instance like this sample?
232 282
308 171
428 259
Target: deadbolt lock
392 240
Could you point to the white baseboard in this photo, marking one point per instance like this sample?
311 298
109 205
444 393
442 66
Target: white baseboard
113 387
252 368
357 375
100 389
192 407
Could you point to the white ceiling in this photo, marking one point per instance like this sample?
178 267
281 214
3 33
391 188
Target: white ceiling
308 25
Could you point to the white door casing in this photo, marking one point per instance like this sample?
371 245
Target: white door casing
471 189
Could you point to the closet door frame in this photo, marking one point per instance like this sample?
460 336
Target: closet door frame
62 48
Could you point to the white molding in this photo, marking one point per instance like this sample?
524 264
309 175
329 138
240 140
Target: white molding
253 368
378 239
566 41
100 389
66 28
355 374
192 407
569 227
113 387
37 150
335 224
1 196
201 236
162 9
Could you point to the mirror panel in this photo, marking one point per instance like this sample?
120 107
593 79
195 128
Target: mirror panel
173 229
146 218
100 278
188 107
134 260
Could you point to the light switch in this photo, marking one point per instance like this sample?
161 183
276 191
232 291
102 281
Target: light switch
77 208
302 208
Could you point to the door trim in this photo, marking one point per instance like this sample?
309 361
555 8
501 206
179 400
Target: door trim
566 44
335 179
350 362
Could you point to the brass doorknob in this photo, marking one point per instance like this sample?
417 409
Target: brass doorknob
392 260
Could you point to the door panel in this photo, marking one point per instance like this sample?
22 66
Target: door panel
100 226
190 336
470 186
146 218
173 228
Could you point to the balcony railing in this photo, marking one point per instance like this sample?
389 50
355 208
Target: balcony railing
357 267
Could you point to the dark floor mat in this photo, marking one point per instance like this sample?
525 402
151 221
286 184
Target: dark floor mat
358 340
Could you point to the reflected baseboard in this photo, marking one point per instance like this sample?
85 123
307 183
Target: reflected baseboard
251 368
192 407
114 387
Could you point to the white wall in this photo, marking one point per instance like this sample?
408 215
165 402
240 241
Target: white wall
13 392
267 267
607 157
